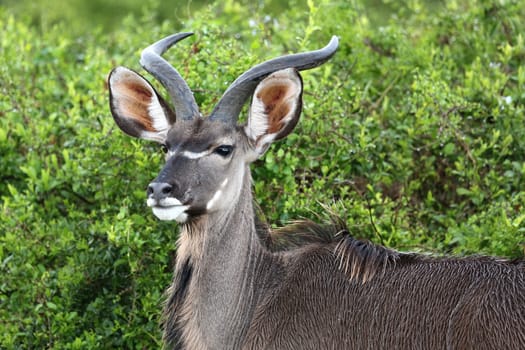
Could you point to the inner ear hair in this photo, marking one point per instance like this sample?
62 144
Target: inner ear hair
136 106
275 107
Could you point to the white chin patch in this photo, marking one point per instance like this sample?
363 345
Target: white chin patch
176 213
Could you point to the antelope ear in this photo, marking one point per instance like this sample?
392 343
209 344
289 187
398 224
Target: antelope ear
137 108
275 109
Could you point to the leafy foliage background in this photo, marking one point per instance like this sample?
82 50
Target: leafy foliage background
413 133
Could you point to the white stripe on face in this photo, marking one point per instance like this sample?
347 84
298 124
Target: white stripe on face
214 199
188 154
216 196
194 155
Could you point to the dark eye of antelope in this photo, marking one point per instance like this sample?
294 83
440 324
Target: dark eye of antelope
223 150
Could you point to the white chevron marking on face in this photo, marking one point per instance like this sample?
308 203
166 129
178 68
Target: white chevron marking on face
217 195
194 155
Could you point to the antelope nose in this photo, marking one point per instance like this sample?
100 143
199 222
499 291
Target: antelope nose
159 190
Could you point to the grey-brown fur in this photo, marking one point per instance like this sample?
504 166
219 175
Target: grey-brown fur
304 298
237 286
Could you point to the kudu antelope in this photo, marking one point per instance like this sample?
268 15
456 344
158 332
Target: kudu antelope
231 291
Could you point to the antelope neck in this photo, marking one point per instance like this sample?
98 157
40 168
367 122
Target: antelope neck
226 264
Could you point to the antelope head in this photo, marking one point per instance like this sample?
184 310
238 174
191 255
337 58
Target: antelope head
206 158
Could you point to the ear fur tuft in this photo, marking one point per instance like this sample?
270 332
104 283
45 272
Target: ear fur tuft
136 107
275 108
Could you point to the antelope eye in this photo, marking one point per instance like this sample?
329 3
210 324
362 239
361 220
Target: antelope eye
223 150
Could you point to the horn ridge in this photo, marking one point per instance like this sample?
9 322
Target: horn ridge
232 101
181 95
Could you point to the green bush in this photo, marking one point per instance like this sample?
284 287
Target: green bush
414 133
